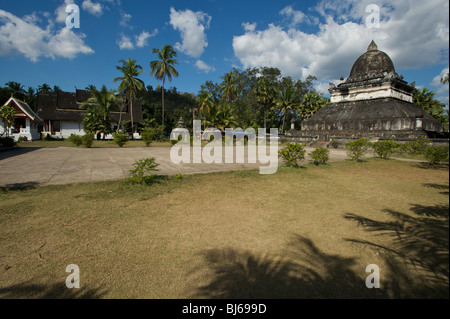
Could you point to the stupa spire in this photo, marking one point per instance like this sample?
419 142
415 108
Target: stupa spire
372 47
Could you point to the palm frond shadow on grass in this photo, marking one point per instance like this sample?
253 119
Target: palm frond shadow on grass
243 275
419 242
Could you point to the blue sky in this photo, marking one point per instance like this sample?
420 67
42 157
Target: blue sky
301 38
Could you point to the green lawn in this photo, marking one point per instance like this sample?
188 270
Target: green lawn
301 233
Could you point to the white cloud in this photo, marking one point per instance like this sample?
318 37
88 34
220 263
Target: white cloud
296 16
411 35
192 26
60 12
24 36
125 19
125 43
249 27
141 39
95 9
204 67
442 89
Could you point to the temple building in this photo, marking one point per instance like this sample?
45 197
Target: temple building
373 102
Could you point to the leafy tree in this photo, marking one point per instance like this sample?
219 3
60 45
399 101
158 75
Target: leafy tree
292 153
130 85
320 156
45 89
16 89
8 115
358 148
426 100
228 88
99 107
164 68
286 101
30 98
310 104
385 148
265 95
56 89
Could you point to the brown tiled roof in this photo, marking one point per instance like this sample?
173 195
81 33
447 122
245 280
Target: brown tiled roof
65 106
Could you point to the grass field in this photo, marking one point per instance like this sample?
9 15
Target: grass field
301 233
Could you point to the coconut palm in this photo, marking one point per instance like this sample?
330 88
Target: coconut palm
45 89
286 101
265 94
204 101
228 87
100 105
130 85
30 97
310 104
16 89
164 68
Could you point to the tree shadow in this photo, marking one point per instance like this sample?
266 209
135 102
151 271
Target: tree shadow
417 255
53 291
436 167
18 187
310 274
439 187
17 151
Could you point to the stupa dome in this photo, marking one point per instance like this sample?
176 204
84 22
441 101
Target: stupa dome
372 64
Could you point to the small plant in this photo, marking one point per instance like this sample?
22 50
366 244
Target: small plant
76 140
334 143
148 136
320 156
292 154
142 168
436 154
7 141
88 140
120 139
358 148
22 139
385 148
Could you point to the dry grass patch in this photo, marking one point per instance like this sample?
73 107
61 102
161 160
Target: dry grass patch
301 233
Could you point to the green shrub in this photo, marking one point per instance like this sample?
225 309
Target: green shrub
320 156
22 139
385 148
416 147
76 140
358 148
7 141
334 143
436 154
88 140
292 154
142 168
120 139
148 136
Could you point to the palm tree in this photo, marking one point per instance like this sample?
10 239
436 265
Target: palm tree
101 104
130 85
265 94
228 87
310 104
56 89
30 97
204 101
16 89
164 68
286 101
45 89
90 87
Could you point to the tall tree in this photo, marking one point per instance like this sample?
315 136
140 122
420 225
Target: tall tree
30 97
426 100
310 104
164 68
45 89
8 116
228 87
16 89
99 106
265 94
130 85
286 101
